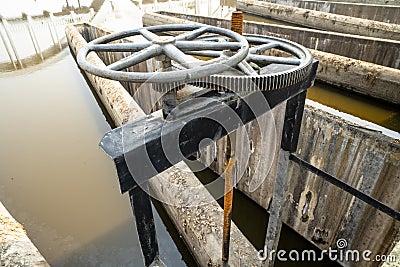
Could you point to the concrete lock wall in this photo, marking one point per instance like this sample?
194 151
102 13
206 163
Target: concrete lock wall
323 213
321 20
16 249
385 13
362 77
370 2
320 212
379 51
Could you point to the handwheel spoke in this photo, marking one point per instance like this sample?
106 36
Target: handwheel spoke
200 45
204 53
148 35
262 48
177 55
122 47
246 68
213 38
136 58
270 59
193 34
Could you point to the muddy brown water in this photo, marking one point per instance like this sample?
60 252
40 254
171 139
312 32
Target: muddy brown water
378 112
55 180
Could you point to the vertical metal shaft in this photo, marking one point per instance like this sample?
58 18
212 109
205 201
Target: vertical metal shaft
237 22
228 200
141 207
236 26
142 211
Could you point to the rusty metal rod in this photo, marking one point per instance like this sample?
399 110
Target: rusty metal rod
237 22
228 199
236 26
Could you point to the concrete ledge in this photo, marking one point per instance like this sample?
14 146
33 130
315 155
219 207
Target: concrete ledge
16 248
379 51
385 12
321 20
359 76
371 2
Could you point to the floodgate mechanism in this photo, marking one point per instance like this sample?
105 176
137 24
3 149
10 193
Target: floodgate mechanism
234 79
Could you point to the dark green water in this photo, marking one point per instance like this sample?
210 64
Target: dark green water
379 112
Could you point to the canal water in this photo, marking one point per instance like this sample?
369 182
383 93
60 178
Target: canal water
55 180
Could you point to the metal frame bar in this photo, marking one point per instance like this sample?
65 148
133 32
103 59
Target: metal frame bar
148 131
349 189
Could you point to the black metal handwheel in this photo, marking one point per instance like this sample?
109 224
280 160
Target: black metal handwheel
166 47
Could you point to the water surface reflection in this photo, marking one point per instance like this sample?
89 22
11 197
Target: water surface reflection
55 180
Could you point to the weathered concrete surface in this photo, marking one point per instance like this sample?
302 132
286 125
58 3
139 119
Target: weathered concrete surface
362 77
15 247
385 13
372 2
395 253
379 51
358 76
321 20
321 212
197 216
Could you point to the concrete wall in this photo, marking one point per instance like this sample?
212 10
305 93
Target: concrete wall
365 159
371 2
321 20
384 13
15 247
374 50
362 77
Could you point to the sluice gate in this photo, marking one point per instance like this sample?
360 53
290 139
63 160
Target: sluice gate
201 101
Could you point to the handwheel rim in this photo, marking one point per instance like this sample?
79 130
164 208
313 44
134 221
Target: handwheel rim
181 75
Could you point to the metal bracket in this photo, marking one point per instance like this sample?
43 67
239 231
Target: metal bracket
148 141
